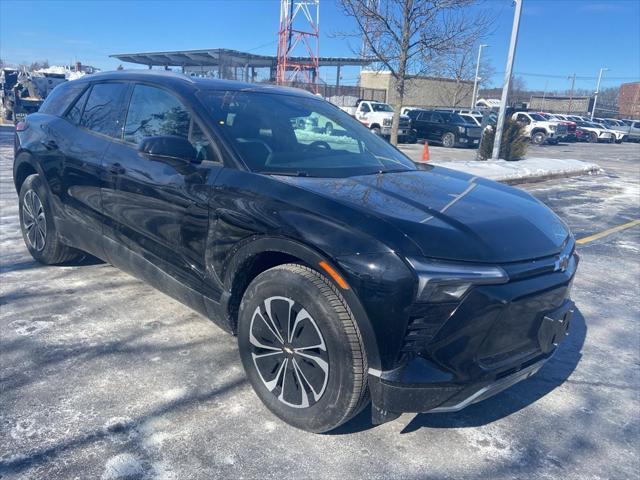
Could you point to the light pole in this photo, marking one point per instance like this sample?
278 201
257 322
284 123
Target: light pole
595 98
507 80
475 80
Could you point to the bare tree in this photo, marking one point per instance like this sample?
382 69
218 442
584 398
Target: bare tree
460 66
407 36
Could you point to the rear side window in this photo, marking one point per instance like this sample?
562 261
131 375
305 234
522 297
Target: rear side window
103 112
61 97
155 112
74 113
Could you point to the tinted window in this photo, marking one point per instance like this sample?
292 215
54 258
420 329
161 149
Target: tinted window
289 135
425 116
103 111
155 112
61 97
74 113
365 108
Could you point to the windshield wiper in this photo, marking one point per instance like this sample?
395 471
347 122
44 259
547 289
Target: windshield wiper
285 173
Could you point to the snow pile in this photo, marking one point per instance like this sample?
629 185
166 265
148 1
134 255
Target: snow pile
527 169
69 74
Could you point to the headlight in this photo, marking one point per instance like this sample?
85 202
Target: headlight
387 122
448 282
552 128
462 129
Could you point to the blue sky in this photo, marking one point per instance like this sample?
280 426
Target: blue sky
557 37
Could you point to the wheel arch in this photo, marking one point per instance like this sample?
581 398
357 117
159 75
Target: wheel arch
261 253
23 166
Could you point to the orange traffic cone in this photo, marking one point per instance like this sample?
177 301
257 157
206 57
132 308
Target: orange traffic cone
425 152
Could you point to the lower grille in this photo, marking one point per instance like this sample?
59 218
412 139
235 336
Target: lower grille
424 323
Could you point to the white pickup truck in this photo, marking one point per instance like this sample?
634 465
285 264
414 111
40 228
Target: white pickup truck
539 129
378 116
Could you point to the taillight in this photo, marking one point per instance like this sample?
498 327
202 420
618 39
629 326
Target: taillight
21 126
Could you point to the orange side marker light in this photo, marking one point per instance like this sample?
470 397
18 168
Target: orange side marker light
335 275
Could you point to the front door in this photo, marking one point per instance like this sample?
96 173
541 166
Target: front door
158 206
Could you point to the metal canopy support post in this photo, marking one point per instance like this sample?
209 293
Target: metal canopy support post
507 80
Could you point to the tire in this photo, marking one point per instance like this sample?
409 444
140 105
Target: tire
593 138
448 140
538 138
328 128
554 141
333 375
37 225
377 131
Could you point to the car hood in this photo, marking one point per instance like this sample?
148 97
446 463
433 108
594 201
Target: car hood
450 215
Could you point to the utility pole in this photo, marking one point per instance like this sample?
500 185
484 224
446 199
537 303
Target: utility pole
595 98
475 80
573 84
507 80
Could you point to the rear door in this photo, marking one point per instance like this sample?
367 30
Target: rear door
421 124
158 207
436 127
91 124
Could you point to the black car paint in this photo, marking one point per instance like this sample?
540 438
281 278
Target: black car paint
199 233
435 131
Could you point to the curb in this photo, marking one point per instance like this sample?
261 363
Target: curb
550 176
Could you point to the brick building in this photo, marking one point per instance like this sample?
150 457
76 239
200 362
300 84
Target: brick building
629 100
553 104
422 91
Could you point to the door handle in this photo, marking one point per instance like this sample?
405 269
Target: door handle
50 145
116 169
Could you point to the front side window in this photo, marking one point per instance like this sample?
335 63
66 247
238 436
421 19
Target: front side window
103 112
295 135
154 112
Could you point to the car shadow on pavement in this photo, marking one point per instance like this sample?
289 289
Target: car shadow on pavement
553 374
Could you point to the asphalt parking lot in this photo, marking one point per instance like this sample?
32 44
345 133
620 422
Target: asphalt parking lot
102 376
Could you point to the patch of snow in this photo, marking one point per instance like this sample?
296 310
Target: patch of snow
124 465
501 170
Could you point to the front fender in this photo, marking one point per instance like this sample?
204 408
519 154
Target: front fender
259 245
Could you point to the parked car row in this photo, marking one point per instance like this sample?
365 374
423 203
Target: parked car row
606 130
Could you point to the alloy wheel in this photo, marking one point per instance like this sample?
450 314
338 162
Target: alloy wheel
289 352
34 220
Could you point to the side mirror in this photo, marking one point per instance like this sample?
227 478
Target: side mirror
178 148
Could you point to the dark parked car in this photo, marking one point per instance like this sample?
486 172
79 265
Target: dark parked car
343 268
447 128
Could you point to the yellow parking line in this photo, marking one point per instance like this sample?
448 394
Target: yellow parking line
609 231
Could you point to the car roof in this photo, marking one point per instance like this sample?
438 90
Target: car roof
173 79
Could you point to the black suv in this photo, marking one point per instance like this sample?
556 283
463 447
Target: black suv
446 128
343 268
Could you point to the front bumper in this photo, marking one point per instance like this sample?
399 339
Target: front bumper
402 131
496 337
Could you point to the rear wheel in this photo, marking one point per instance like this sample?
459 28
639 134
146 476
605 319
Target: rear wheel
593 137
301 348
377 131
36 221
448 140
328 128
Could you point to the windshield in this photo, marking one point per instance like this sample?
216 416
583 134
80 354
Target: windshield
537 117
381 107
292 135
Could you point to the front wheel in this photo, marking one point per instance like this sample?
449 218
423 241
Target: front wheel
593 138
539 138
448 140
301 348
328 128
36 222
